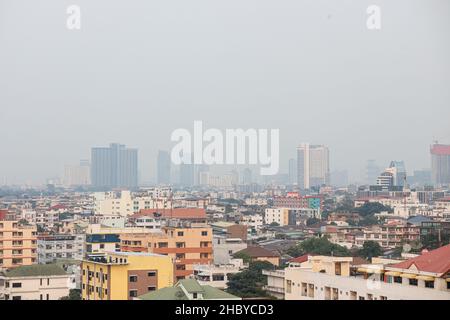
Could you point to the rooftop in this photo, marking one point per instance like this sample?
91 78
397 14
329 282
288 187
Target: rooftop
191 286
435 261
36 270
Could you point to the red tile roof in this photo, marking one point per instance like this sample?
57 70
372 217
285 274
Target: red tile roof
177 213
258 252
302 258
435 261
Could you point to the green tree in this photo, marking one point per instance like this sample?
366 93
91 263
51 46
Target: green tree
249 283
321 246
370 249
312 221
370 208
74 294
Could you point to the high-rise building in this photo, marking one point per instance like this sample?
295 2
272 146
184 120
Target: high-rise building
313 165
440 164
372 172
163 174
399 171
393 176
247 176
292 171
79 175
114 167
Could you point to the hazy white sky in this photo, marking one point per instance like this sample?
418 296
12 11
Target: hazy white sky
138 69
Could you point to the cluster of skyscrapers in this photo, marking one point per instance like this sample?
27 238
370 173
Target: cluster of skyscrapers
116 166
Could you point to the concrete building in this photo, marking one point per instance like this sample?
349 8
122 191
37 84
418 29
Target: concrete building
331 278
215 275
100 239
62 246
163 168
77 175
125 275
187 245
18 244
114 167
224 248
440 164
313 166
36 282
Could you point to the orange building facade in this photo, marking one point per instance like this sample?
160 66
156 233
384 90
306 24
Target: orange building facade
186 246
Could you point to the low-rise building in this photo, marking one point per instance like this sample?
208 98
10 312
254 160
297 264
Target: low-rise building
216 275
125 275
36 282
331 278
62 246
224 248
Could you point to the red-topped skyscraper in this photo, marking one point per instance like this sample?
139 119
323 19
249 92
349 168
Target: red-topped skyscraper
440 164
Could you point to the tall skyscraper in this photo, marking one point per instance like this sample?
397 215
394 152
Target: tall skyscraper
79 175
114 167
313 165
292 171
247 176
440 164
163 167
372 172
187 173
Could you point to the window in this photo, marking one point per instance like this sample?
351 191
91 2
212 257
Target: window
48 296
194 295
133 278
204 233
151 274
429 284
17 285
288 286
180 233
17 298
180 245
398 279
133 293
413 282
102 246
151 288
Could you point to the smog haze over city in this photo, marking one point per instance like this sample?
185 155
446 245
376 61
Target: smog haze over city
138 70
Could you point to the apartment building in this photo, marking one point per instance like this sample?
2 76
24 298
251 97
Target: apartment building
331 278
18 244
215 275
224 248
101 239
60 246
389 235
36 282
125 275
187 245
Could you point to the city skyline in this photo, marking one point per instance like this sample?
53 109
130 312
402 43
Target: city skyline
314 71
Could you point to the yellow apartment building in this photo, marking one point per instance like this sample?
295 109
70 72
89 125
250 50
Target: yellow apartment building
125 275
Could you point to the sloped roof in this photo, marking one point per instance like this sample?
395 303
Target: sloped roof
190 285
255 252
177 213
435 261
36 270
